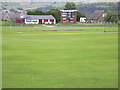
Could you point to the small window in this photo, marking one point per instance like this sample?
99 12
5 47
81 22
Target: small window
28 20
63 14
64 18
67 20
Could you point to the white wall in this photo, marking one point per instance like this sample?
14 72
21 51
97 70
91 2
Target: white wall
82 19
26 21
37 21
54 21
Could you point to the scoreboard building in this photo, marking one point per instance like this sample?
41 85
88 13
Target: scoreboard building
68 16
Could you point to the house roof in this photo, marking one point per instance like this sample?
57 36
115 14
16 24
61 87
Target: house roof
11 16
97 14
38 17
14 15
2 15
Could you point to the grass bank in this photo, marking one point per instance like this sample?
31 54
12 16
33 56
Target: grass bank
13 23
87 24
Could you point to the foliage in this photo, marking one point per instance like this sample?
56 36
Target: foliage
70 6
54 11
79 14
36 12
111 17
12 23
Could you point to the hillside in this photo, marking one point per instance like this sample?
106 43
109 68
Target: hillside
89 8
86 8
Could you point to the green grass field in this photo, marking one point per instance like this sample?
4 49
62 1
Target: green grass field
43 28
53 59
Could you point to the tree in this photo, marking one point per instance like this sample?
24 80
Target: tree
111 17
56 13
79 15
70 6
36 12
30 13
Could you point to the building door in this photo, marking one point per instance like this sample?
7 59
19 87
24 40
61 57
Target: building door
23 20
40 21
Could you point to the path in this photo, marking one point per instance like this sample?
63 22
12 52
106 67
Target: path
69 33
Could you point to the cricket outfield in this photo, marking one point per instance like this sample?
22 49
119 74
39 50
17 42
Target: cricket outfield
35 58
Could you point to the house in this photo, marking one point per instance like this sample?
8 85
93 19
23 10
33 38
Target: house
83 19
11 16
68 16
38 19
98 16
28 19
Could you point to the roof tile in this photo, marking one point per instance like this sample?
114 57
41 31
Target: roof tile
97 14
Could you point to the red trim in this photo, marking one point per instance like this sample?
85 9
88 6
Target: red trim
45 20
64 20
20 20
71 19
51 20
